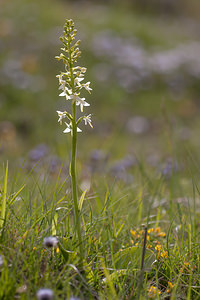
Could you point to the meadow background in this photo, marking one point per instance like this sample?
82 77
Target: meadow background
139 164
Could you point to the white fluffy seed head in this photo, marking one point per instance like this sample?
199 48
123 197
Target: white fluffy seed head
50 242
44 294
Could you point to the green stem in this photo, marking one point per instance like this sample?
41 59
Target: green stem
74 184
73 164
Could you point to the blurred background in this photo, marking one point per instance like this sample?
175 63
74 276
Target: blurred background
143 60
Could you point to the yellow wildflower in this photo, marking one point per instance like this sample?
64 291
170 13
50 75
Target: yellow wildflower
163 254
161 234
156 242
133 232
160 251
158 247
170 285
157 230
153 292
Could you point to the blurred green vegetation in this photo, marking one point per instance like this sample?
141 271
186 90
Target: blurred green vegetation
142 63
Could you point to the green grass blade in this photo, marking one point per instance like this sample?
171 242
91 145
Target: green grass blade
3 204
15 196
80 204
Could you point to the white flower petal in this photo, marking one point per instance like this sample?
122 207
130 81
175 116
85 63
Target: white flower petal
87 120
61 115
62 94
67 130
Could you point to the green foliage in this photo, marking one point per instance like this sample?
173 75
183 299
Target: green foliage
112 239
119 196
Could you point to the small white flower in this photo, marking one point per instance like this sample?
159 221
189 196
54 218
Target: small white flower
87 87
72 80
79 101
44 294
83 69
66 92
87 120
75 97
62 86
66 73
62 94
77 80
61 81
50 242
61 115
82 103
61 56
69 128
